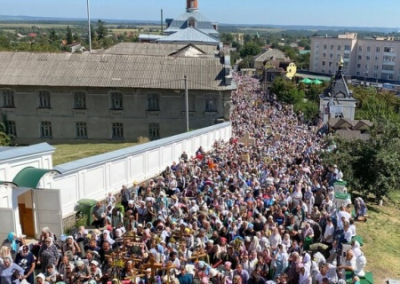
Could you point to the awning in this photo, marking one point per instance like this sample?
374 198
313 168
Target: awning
8 182
30 176
312 77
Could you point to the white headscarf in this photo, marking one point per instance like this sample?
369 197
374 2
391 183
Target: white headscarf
108 238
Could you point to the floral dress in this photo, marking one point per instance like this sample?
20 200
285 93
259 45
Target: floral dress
48 255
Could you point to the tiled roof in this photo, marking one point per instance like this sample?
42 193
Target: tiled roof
110 70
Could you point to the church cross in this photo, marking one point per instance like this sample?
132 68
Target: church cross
153 265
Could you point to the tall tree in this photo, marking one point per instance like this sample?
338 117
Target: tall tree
101 29
250 48
69 35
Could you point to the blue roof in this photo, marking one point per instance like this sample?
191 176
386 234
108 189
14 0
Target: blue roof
191 35
202 23
8 153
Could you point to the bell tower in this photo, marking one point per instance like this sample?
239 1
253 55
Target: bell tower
191 5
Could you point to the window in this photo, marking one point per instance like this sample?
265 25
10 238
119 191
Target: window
368 49
330 64
81 130
358 73
359 57
44 99
378 49
191 22
11 128
389 49
376 67
375 75
117 130
323 63
388 67
332 47
153 102
211 103
45 129
8 98
368 58
360 48
80 100
116 100
339 47
358 65
376 58
325 46
347 47
154 131
366 67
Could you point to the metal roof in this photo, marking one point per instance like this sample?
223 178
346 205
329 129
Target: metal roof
144 48
271 54
150 37
190 35
110 70
202 23
9 153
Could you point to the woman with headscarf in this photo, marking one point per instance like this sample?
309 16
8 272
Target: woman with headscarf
275 239
255 245
27 261
12 243
280 260
107 238
304 275
48 254
51 275
361 209
9 271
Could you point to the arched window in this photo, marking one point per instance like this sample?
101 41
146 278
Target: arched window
191 22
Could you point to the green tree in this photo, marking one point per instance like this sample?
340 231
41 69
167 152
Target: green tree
53 35
5 139
370 166
69 35
286 91
101 29
250 48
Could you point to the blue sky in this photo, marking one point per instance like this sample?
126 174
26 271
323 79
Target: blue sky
361 13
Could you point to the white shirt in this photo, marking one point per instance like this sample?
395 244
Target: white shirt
341 214
329 231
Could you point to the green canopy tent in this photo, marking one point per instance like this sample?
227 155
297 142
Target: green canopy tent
317 82
306 81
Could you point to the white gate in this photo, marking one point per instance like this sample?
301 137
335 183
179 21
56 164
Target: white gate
7 222
47 210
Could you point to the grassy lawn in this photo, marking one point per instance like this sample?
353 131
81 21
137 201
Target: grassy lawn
381 236
68 152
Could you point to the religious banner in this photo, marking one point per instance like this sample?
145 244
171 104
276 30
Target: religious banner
245 157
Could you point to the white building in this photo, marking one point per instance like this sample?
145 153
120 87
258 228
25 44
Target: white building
377 58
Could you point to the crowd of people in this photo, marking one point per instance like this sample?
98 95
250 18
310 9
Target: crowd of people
256 209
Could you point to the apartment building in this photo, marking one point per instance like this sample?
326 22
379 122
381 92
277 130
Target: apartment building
377 58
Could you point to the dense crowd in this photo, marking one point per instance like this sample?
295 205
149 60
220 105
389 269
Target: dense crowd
259 208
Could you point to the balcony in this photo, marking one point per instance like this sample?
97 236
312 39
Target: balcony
387 71
389 63
389 54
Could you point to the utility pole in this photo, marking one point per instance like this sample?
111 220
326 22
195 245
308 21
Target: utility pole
90 28
162 21
186 103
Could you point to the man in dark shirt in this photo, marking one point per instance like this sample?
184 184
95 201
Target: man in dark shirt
99 213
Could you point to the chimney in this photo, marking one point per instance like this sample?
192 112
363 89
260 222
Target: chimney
191 5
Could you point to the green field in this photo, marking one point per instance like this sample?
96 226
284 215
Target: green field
69 152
